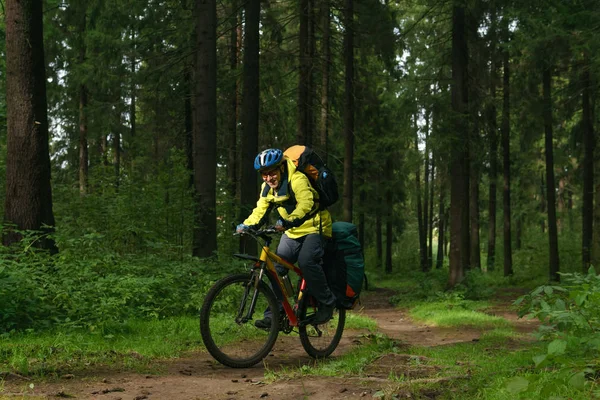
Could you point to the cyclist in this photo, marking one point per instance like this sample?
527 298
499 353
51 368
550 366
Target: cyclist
296 201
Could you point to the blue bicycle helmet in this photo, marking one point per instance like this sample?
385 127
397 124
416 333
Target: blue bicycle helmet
267 159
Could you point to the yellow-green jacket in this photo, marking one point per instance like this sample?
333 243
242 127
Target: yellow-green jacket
296 202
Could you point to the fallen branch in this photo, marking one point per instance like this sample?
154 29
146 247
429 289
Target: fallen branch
6 375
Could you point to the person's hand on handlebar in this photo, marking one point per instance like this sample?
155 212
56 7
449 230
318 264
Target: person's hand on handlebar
279 226
241 228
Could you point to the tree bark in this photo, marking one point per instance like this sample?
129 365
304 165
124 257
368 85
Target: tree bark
550 186
312 92
474 215
441 225
189 124
205 130
420 220
348 109
133 104
389 223
361 212
117 152
543 203
326 67
589 143
378 237
303 136
430 222
459 167
493 175
83 141
474 134
425 265
28 201
250 102
233 103
83 120
505 132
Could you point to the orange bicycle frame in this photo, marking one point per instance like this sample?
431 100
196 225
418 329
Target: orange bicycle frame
270 258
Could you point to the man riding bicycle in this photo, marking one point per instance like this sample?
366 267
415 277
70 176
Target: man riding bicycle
297 203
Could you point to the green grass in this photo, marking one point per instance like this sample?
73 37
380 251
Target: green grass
351 363
464 371
490 365
131 345
455 314
356 321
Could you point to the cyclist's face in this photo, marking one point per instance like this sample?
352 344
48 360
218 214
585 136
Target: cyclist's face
272 177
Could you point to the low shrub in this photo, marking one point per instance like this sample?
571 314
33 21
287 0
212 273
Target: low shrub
570 314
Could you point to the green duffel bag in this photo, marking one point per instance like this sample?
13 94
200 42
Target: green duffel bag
345 264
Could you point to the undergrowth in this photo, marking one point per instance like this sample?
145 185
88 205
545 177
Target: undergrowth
80 288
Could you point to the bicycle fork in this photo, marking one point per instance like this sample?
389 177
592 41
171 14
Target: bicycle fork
252 283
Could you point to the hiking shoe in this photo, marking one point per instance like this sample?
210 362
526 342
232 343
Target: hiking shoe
264 323
323 314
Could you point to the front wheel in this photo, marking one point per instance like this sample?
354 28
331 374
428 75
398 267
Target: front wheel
227 320
319 341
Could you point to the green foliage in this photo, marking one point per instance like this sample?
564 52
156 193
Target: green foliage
571 326
83 287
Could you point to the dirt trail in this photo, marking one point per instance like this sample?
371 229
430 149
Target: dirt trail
198 376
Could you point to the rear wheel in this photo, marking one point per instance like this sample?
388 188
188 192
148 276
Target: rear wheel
320 341
227 320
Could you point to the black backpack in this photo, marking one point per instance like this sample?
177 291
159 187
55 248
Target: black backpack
319 175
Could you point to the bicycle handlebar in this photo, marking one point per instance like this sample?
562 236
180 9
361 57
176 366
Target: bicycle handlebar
264 234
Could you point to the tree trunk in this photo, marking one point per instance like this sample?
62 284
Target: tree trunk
596 223
205 131
430 222
420 220
505 132
348 109
325 78
378 237
28 201
117 152
312 92
589 143
425 265
493 140
233 102
543 203
518 229
459 167
250 101
303 136
389 223
441 225
361 212
493 176
83 141
188 123
550 186
133 104
83 120
474 214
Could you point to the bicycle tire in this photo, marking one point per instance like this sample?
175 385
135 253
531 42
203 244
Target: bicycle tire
322 340
231 341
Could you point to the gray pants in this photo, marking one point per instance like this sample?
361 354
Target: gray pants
308 251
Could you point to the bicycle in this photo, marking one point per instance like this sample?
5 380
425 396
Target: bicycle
228 312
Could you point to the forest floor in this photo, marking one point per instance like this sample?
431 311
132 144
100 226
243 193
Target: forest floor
198 376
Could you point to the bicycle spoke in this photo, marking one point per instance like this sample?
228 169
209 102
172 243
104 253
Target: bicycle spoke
321 340
232 340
